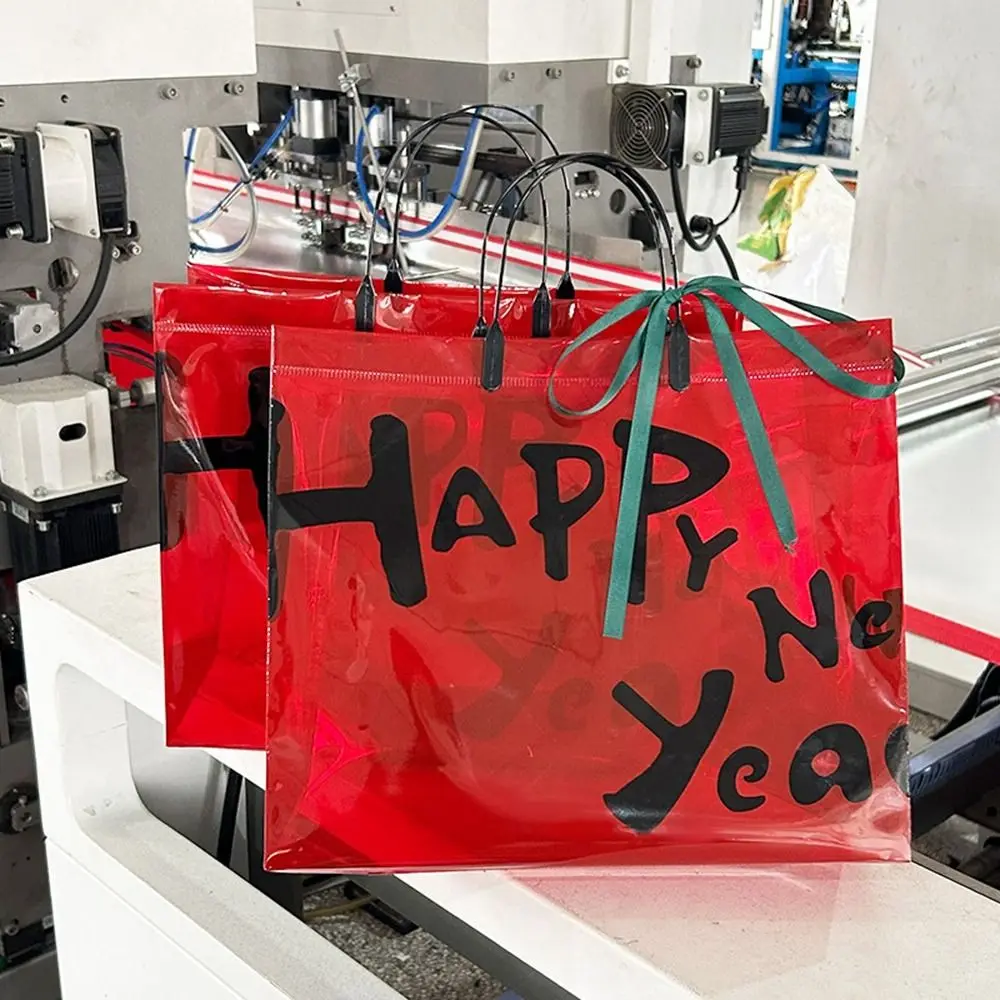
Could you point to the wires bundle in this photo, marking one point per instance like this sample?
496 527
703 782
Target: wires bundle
450 205
248 175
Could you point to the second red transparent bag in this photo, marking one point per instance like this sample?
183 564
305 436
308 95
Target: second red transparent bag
215 346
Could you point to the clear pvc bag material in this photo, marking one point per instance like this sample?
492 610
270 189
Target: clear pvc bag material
214 353
440 693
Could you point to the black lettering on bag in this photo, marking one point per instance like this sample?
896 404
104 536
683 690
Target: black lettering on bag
730 796
646 801
703 552
276 555
385 502
706 467
556 516
853 775
873 615
820 640
494 524
244 452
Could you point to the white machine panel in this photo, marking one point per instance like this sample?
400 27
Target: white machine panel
476 31
71 41
558 30
55 437
924 249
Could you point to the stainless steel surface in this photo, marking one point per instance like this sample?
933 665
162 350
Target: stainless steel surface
35 980
987 340
315 117
946 387
279 245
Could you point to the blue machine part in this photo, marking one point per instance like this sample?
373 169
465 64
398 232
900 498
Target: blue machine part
805 89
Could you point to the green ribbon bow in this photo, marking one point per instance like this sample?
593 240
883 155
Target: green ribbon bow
646 351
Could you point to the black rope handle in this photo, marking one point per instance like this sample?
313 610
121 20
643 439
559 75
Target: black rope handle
542 309
645 194
365 303
452 116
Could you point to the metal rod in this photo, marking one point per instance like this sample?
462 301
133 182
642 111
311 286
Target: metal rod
409 116
966 373
983 341
945 388
351 85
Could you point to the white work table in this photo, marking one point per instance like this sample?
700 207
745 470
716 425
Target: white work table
140 912
950 488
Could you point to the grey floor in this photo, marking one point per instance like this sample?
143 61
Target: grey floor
416 965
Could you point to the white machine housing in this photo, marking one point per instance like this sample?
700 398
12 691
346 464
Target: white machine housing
474 31
55 437
99 41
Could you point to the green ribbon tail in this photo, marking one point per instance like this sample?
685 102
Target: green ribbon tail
752 422
654 336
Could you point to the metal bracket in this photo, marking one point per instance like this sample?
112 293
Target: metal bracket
619 71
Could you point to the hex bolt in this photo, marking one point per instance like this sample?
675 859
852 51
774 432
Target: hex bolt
11 928
133 248
168 92
116 253
39 492
622 71
234 88
703 95
7 144
694 62
699 157
14 232
21 698
554 73
508 76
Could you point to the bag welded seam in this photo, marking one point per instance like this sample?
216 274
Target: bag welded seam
528 381
213 329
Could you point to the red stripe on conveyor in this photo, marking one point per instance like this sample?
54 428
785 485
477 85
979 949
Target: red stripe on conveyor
953 635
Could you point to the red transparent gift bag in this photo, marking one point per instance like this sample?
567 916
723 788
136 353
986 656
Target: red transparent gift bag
441 691
215 345
214 348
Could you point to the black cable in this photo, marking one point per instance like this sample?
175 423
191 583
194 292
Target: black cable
708 238
736 207
113 345
708 228
77 322
624 173
137 357
227 821
727 256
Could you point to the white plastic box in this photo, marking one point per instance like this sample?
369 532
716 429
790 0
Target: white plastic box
55 437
